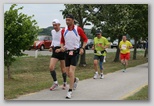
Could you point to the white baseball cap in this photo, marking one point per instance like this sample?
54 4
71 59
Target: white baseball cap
55 21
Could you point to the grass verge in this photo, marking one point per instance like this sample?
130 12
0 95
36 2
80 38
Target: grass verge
140 95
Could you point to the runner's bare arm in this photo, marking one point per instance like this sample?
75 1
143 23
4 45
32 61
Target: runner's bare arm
84 38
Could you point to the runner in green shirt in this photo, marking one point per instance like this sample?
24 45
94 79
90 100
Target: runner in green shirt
100 44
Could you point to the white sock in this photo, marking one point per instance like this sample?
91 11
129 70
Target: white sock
56 82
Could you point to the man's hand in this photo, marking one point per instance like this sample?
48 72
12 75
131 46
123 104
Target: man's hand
57 50
104 47
50 49
93 48
130 47
81 51
62 49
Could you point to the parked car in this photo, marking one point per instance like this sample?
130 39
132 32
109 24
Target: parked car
141 44
89 44
42 42
132 41
114 44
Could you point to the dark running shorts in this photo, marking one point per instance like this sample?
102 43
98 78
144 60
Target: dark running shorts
101 58
59 56
71 59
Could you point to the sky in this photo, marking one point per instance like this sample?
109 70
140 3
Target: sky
43 13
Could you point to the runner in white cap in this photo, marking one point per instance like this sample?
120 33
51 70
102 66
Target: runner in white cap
56 55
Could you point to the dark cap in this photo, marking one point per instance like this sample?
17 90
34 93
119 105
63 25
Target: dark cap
69 16
98 32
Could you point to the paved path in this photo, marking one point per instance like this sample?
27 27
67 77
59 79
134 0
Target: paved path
46 52
115 86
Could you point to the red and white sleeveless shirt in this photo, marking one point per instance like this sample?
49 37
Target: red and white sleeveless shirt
71 38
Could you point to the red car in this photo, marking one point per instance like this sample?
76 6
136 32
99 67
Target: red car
42 42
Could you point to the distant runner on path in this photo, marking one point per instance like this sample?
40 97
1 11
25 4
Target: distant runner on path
125 47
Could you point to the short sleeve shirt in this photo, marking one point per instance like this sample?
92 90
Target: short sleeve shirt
125 47
98 43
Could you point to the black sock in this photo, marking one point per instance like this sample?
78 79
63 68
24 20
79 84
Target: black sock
64 76
53 74
74 79
70 90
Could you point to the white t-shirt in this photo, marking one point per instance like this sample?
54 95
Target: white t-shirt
56 36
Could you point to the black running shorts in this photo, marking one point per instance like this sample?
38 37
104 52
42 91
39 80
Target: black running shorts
59 56
101 58
71 58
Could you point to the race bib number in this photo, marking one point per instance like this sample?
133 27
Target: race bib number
71 53
123 47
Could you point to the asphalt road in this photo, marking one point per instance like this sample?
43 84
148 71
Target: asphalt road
115 86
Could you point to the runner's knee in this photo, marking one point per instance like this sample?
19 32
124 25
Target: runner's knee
51 68
63 70
71 73
95 63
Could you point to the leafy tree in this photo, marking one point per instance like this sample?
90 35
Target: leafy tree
112 20
138 23
19 33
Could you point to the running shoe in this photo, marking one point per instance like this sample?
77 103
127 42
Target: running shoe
102 76
95 76
53 87
124 70
69 95
75 83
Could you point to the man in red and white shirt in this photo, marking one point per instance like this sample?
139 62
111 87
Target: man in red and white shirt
70 43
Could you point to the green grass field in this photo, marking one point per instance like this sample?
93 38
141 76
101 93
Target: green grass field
30 74
140 95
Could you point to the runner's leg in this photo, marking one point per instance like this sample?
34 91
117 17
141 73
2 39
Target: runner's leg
63 69
62 65
101 66
53 62
71 75
95 68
